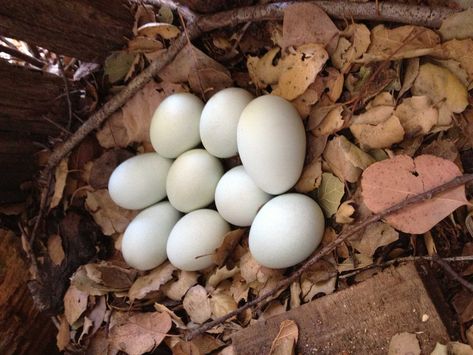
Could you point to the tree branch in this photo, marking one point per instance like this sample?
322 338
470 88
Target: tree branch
448 269
458 181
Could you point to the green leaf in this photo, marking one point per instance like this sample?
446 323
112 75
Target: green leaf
117 65
330 193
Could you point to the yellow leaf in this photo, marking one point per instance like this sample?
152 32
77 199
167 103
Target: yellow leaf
381 135
164 30
458 26
417 115
330 193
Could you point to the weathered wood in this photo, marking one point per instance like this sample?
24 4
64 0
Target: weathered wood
23 329
359 320
84 29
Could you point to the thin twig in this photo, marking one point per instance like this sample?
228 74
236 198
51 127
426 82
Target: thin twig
441 262
458 181
67 94
403 260
22 56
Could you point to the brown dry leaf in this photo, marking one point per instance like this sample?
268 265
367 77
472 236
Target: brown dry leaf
140 333
310 178
197 304
163 30
263 71
55 250
344 214
353 43
75 303
374 236
374 115
86 327
410 74
221 304
457 348
175 319
345 159
97 314
185 348
400 42
230 241
142 44
300 28
469 335
417 115
310 289
330 193
304 102
300 69
103 167
107 214
357 261
333 83
404 343
60 176
207 343
457 26
381 135
63 337
460 51
252 271
175 290
439 84
286 340
391 181
295 295
239 289
331 123
219 275
151 282
442 148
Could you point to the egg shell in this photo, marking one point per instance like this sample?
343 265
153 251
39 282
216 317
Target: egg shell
140 181
145 238
192 180
194 239
286 231
219 121
175 124
237 197
271 142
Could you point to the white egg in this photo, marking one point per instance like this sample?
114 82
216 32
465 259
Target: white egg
145 238
219 121
139 181
237 197
194 239
286 231
192 180
271 142
175 124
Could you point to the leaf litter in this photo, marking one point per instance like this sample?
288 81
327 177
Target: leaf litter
383 108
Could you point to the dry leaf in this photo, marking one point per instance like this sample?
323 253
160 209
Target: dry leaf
410 74
330 193
97 314
457 348
300 28
400 42
151 282
142 44
310 178
175 290
55 250
220 275
230 241
185 348
460 51
263 71
107 214
140 333
404 343
381 135
374 115
345 159
391 181
88 324
207 343
357 261
331 123
353 43
163 30
117 65
304 102
99 344
221 304
374 236
344 214
286 340
60 176
75 303
310 289
63 337
295 295
442 148
197 304
417 115
103 167
457 26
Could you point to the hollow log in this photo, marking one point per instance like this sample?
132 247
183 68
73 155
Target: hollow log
83 29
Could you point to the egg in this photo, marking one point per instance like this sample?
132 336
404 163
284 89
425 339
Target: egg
219 121
194 239
271 142
139 181
192 180
237 197
145 238
175 124
286 231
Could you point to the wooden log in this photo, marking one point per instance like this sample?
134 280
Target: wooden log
83 29
359 320
23 329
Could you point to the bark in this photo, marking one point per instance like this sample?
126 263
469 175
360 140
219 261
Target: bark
84 29
23 329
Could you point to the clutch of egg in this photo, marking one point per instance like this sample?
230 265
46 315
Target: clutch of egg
269 136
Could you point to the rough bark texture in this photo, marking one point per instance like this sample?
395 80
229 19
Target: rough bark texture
23 329
208 6
358 320
84 29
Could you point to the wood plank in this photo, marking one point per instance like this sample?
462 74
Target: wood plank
84 29
358 320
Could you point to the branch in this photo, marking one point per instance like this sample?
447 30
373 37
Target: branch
22 56
458 181
453 273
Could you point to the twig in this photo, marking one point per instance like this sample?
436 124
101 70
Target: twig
458 181
67 94
453 273
404 260
23 56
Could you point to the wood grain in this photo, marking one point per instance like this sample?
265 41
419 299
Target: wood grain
358 320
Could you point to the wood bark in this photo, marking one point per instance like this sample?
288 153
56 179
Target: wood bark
23 329
358 320
83 29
